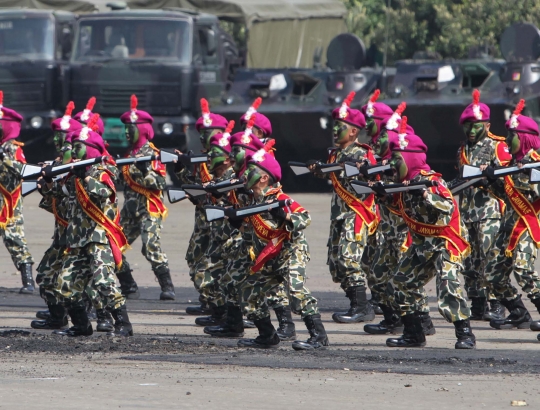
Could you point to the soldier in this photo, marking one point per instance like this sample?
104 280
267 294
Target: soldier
94 235
437 250
207 125
51 263
516 247
84 116
144 211
262 128
11 217
278 252
353 220
480 208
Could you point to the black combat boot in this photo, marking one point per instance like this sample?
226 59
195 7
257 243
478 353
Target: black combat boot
318 338
122 325
43 314
413 333
267 338
217 318
104 321
375 302
57 319
81 323
427 324
26 278
478 308
201 310
128 286
90 310
286 330
233 327
464 334
519 315
163 276
248 324
360 310
495 311
535 324
391 324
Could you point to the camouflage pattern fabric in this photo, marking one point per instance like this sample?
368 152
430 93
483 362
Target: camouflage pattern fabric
47 276
149 229
13 234
92 264
278 297
427 258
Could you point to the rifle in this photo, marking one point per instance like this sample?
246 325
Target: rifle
31 186
301 168
30 171
363 188
217 212
164 156
352 170
175 195
475 172
535 176
457 185
222 187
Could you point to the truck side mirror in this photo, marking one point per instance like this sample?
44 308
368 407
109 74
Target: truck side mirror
211 42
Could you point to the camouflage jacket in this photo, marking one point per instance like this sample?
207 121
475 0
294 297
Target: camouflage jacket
81 229
339 209
10 170
435 209
220 229
521 180
477 204
58 206
135 204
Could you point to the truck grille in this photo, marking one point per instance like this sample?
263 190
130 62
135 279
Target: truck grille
24 96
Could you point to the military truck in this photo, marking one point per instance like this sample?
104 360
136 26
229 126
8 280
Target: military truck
168 58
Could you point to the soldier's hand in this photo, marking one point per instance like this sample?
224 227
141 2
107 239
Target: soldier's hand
378 188
142 166
279 213
489 172
46 171
79 172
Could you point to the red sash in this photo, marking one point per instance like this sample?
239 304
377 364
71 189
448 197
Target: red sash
205 174
456 245
11 199
273 238
363 209
113 230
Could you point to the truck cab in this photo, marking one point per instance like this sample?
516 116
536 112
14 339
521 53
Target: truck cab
35 46
168 58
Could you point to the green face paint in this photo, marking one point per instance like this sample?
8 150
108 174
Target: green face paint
382 145
238 155
66 153
216 157
132 133
58 140
78 151
513 142
208 133
398 165
340 131
253 175
371 127
474 131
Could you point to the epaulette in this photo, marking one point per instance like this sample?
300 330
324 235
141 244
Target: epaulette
18 143
496 137
153 147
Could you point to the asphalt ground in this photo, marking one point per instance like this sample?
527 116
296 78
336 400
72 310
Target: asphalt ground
170 363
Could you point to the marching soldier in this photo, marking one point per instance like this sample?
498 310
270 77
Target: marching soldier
480 208
11 217
437 250
262 127
84 116
516 247
144 211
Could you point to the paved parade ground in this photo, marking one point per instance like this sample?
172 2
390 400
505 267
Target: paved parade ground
170 363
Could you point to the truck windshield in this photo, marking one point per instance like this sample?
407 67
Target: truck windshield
129 39
28 38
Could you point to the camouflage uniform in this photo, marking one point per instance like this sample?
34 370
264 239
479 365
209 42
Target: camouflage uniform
10 178
426 258
481 211
500 266
136 219
89 256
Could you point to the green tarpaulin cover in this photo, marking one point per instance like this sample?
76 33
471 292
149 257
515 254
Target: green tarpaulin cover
66 5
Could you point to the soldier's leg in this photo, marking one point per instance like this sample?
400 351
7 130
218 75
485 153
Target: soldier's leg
278 300
128 285
473 272
15 242
368 259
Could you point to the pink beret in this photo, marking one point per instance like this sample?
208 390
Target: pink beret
266 162
135 116
475 112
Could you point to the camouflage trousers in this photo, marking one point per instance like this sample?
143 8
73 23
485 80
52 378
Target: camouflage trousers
15 241
149 229
406 287
278 297
47 274
499 268
92 264
346 258
482 236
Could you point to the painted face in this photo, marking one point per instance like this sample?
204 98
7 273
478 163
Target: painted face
371 127
238 155
382 145
58 140
216 157
132 133
340 131
513 142
398 166
206 134
252 175
66 153
78 151
474 131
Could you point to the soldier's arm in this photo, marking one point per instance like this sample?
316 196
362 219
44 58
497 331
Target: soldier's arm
297 221
155 178
46 203
11 162
439 202
96 189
